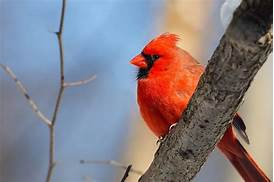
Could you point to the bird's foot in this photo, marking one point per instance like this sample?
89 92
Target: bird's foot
161 140
172 126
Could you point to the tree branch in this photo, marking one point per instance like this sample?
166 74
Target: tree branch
59 97
242 51
112 163
63 85
80 82
126 173
23 90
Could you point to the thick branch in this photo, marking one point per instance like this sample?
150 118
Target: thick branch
242 51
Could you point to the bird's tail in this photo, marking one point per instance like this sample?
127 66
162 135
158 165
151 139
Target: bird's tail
241 160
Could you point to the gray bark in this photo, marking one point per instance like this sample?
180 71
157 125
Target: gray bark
242 51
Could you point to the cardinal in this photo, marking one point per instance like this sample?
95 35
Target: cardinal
167 77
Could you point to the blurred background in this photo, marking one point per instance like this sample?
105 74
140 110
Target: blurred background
100 120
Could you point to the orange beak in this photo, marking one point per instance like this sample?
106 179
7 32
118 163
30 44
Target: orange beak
139 61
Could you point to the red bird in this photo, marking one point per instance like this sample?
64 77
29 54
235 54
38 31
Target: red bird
167 78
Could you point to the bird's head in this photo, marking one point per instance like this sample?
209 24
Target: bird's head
159 50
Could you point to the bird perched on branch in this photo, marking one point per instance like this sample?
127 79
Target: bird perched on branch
167 78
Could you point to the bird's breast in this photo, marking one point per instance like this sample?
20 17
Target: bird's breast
157 106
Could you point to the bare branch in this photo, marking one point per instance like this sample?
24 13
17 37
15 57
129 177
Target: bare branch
62 86
126 173
52 162
240 54
112 163
61 26
61 51
80 82
24 92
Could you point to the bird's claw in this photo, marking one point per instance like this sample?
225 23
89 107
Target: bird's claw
160 140
172 126
163 138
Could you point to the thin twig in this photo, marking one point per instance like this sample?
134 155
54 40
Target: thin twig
52 162
80 82
112 163
24 92
63 85
61 51
126 173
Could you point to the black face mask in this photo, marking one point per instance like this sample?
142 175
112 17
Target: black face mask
150 59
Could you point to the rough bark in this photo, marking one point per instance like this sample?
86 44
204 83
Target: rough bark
242 51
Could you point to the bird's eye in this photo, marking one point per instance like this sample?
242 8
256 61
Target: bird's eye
150 57
155 57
